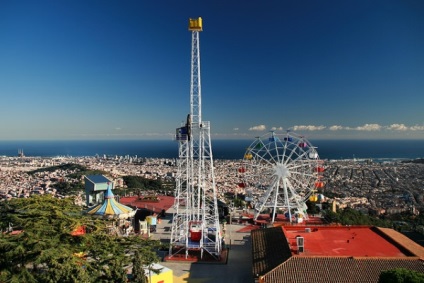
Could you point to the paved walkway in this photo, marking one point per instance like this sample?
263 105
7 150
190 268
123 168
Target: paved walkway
237 269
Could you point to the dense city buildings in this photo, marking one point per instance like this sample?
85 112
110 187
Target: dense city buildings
375 188
379 188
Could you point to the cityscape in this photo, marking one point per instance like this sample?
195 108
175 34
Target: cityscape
374 188
280 71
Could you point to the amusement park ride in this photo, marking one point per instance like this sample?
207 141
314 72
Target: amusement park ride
285 170
195 225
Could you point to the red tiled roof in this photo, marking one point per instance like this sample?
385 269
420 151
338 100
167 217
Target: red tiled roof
165 202
337 269
275 261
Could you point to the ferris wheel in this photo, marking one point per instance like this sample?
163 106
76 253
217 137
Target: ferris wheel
283 170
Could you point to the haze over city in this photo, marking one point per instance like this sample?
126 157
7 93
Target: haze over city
121 69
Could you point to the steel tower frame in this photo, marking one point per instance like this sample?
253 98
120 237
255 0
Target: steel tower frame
195 224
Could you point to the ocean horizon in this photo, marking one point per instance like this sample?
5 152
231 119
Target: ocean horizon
222 149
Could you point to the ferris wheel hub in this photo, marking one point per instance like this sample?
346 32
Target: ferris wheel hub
281 171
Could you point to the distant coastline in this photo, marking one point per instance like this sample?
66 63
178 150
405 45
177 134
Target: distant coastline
379 150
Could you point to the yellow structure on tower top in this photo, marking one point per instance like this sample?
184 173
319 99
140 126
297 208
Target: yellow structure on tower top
195 24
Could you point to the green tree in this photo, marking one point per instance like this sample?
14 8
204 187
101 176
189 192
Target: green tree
312 207
114 272
401 275
350 216
138 273
45 250
137 182
67 166
238 202
143 260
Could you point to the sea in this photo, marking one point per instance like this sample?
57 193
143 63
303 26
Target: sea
377 150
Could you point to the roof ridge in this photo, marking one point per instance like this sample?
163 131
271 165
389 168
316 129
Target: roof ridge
403 241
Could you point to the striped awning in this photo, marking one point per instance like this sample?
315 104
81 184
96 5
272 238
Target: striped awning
110 208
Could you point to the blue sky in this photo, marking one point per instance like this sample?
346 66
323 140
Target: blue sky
121 69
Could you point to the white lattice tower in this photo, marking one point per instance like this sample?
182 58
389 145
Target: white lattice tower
195 224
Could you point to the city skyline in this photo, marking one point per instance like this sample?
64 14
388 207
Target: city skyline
121 70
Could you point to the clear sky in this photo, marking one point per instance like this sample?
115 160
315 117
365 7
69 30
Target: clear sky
109 69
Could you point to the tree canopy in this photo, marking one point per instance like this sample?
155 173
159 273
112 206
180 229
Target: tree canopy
46 251
350 216
137 182
80 170
68 166
401 275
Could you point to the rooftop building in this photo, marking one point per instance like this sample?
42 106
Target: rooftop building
331 254
95 187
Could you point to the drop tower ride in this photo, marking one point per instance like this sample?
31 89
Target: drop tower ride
195 225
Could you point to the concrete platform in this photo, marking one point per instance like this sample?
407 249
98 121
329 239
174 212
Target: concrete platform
238 260
194 256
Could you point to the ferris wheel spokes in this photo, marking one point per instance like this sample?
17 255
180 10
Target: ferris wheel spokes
283 169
